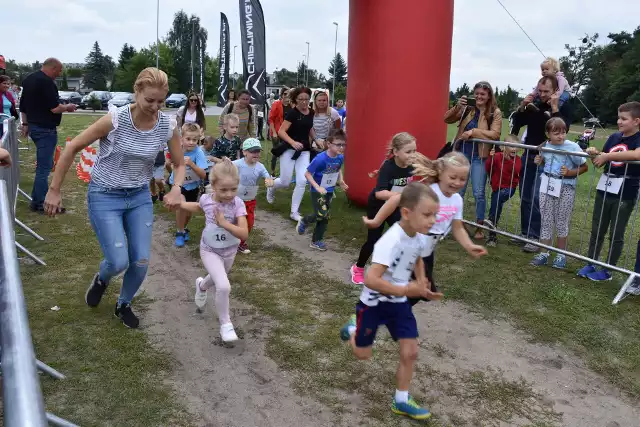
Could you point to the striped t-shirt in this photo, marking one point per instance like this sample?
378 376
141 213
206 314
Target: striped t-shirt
323 123
127 154
246 129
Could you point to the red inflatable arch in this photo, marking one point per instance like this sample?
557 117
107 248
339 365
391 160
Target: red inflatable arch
399 66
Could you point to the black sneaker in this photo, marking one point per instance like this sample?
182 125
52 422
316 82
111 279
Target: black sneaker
161 196
95 291
154 198
125 314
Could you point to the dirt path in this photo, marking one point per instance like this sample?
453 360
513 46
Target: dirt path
221 386
466 350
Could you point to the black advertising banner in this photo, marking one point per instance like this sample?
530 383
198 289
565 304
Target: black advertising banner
223 61
253 49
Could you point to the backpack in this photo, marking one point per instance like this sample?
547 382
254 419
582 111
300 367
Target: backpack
230 110
449 146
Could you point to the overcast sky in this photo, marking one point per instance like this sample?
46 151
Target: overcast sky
487 44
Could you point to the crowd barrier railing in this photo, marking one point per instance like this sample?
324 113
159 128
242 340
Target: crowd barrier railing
11 175
509 219
23 404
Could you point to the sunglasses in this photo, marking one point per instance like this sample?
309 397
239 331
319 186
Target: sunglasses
193 100
483 85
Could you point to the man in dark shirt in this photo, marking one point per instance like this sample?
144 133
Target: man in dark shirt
41 112
529 184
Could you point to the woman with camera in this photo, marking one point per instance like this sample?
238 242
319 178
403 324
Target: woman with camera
478 117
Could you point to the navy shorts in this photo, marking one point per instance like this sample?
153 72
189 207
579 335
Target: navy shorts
397 316
191 195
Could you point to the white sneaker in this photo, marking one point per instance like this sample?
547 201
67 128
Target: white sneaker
295 216
271 195
201 296
227 333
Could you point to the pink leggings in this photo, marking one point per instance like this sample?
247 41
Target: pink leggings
218 267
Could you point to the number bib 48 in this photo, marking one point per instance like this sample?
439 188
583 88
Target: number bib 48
218 238
550 186
248 192
329 180
610 184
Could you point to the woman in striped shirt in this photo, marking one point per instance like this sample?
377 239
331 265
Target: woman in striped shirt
325 118
119 201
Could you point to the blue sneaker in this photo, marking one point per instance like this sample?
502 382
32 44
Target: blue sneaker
540 259
560 262
586 270
187 236
319 245
345 334
410 409
179 239
301 227
600 275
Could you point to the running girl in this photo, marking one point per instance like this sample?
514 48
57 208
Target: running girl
225 227
250 170
393 176
557 189
446 176
383 300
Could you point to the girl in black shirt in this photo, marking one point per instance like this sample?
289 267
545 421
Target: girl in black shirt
394 174
297 133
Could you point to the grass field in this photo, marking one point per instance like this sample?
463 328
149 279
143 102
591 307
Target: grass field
115 374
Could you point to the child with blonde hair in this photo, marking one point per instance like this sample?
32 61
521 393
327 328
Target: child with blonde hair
394 174
551 67
225 226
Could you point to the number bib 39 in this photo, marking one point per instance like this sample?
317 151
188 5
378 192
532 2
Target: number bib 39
218 238
550 186
610 184
329 180
248 192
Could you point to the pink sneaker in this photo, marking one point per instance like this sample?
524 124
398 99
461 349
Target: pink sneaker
357 275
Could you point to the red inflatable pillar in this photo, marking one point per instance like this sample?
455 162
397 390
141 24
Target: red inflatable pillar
399 66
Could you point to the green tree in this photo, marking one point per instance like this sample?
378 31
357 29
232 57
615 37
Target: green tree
285 77
462 90
341 92
576 64
96 69
186 39
338 67
211 78
146 57
65 84
312 78
126 53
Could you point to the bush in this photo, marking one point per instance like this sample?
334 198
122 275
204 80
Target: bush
94 103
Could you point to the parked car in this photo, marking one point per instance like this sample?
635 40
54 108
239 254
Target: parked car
67 97
176 100
102 95
121 98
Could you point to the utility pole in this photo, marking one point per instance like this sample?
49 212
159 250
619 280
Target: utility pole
335 62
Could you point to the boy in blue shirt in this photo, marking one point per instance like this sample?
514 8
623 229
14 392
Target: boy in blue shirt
323 174
196 163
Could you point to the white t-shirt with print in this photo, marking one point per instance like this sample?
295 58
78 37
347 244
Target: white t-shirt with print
450 209
399 252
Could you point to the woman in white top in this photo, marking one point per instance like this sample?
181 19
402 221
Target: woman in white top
119 201
192 112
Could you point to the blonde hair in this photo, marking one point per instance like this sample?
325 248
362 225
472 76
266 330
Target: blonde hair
190 127
224 169
414 192
429 170
151 77
231 117
555 64
512 138
398 141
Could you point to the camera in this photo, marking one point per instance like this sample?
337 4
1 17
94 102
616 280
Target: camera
471 101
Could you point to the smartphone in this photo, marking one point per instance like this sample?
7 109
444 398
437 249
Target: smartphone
471 101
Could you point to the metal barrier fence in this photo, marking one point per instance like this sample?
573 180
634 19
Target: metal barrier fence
10 142
511 216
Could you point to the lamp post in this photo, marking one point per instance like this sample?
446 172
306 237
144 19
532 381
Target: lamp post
234 67
306 71
303 78
158 34
335 53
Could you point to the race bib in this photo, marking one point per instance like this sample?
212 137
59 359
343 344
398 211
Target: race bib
260 114
190 177
550 186
397 188
218 238
610 184
329 179
248 192
403 265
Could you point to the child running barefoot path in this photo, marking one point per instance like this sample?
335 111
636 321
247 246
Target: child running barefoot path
196 163
394 174
323 174
383 300
250 170
225 227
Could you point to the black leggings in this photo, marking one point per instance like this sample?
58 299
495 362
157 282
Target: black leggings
373 235
428 267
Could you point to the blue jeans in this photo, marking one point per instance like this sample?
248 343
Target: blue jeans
46 140
478 178
498 199
530 198
122 220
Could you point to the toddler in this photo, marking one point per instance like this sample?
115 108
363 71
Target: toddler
551 67
228 145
